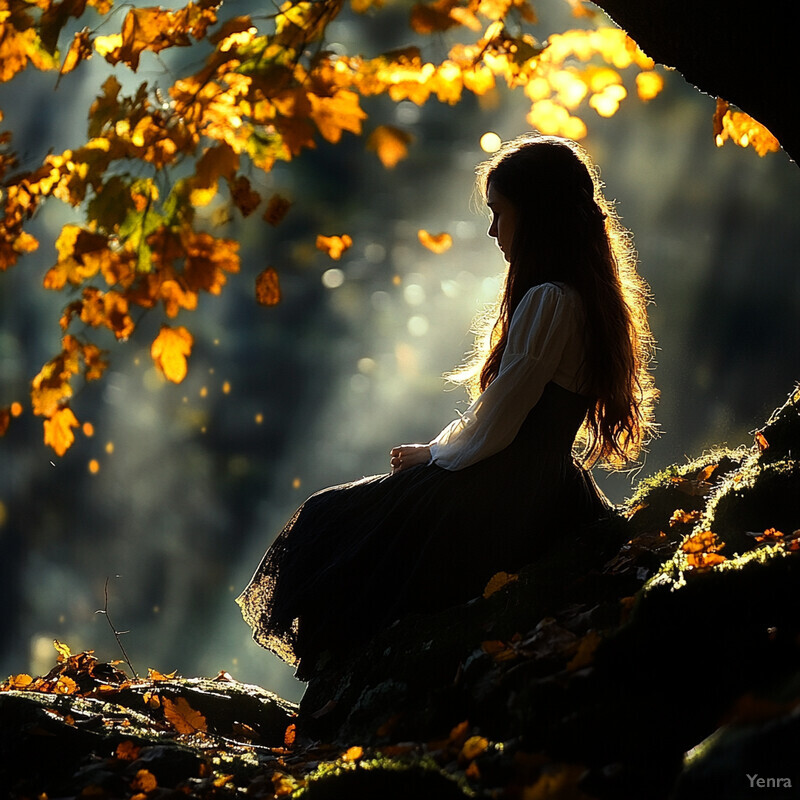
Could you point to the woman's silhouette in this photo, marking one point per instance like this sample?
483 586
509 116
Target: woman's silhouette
563 369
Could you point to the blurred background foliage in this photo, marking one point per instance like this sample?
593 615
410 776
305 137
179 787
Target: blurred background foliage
180 489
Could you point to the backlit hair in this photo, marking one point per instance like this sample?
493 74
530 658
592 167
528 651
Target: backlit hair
566 231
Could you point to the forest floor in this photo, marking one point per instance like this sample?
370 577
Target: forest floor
656 658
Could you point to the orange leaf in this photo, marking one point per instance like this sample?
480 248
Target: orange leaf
58 430
334 246
183 717
144 781
289 735
277 208
391 144
170 350
80 49
353 753
761 441
20 681
127 751
336 114
268 290
473 747
436 243
497 582
681 517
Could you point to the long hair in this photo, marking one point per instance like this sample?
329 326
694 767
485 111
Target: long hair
566 231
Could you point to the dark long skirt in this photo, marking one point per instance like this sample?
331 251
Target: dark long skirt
356 557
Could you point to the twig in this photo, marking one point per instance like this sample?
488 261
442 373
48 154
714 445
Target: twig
116 633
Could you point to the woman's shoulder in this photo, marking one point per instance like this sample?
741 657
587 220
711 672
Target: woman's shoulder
550 293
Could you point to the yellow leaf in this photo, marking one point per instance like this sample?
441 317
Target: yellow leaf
183 717
334 246
391 144
268 290
170 350
58 431
63 651
436 243
648 85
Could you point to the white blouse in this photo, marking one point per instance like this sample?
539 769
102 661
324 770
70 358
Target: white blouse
545 343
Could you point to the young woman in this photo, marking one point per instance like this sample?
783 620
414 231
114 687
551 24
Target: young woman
562 370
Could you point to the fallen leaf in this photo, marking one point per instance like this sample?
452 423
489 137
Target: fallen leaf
497 582
183 717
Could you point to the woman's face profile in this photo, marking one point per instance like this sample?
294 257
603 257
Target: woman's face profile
504 220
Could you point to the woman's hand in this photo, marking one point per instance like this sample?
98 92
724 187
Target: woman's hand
409 455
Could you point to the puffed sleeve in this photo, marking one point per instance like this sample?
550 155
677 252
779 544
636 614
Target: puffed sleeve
544 326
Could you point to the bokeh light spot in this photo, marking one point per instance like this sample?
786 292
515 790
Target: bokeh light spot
490 142
418 325
94 466
332 278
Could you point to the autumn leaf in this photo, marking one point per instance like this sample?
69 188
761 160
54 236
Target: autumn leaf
58 430
497 582
390 144
353 753
335 114
436 243
585 653
290 735
277 208
144 781
169 351
761 441
155 675
183 717
473 747
63 651
127 751
244 197
334 246
79 50
742 129
681 517
268 290
701 550
18 682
